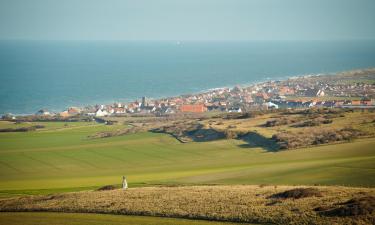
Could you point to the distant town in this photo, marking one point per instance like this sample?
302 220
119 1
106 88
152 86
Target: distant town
353 89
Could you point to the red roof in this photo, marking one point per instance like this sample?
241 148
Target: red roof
193 108
356 102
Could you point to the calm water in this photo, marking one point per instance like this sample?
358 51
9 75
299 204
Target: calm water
55 75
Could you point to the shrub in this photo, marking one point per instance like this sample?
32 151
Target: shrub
353 207
22 129
298 193
107 188
279 122
230 134
313 123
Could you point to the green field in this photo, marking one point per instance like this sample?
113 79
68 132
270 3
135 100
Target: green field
36 218
62 158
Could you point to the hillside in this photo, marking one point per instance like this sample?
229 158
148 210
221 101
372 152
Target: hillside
220 167
62 157
254 204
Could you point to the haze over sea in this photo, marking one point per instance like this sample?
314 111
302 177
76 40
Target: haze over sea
58 74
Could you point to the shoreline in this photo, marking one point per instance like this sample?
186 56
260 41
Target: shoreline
205 91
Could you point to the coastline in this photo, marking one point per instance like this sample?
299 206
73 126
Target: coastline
205 91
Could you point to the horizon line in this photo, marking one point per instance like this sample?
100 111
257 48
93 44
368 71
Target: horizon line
189 40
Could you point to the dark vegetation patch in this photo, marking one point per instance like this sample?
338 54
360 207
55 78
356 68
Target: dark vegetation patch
303 118
312 123
245 115
298 193
191 131
22 129
181 130
354 207
51 197
254 139
318 111
200 135
107 188
186 131
106 122
279 122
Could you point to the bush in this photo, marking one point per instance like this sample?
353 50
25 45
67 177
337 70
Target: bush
22 129
312 123
279 122
298 193
353 207
229 134
107 188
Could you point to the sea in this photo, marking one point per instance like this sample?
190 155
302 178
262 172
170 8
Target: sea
54 75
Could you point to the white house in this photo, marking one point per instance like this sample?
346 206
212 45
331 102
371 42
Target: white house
271 105
101 112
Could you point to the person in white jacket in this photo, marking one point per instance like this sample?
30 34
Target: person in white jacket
124 183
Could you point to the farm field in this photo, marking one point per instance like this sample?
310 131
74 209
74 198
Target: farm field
62 158
36 218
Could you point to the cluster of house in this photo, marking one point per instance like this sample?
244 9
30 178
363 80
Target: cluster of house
272 94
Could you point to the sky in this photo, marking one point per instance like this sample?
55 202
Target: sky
216 20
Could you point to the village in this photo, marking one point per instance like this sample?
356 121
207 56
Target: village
300 92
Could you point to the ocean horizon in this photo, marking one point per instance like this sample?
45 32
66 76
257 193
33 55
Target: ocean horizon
58 74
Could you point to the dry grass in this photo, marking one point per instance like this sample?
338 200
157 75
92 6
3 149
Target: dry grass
241 203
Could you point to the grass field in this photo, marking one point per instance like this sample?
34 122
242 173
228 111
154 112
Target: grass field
37 218
61 158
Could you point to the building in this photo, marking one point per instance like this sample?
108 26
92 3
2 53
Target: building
144 102
286 91
272 105
314 92
193 108
74 111
356 102
64 114
101 112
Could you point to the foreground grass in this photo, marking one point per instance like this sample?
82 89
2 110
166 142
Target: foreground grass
237 203
45 218
64 159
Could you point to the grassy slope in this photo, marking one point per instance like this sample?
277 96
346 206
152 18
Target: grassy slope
36 218
236 203
60 158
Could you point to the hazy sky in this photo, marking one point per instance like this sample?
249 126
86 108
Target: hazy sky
187 19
